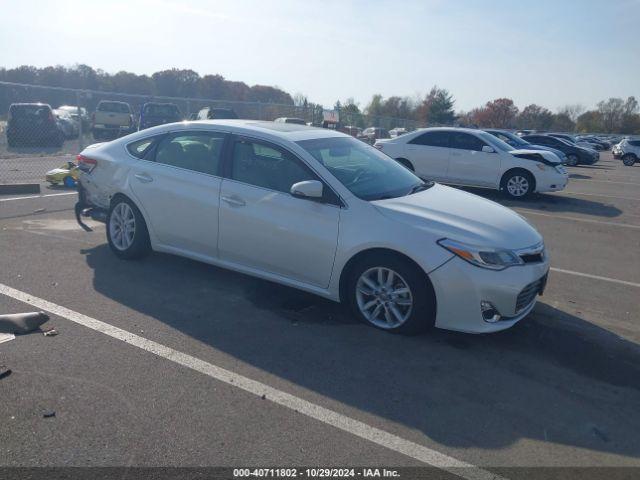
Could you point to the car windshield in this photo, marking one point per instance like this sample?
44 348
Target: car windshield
513 140
368 173
495 141
161 110
113 107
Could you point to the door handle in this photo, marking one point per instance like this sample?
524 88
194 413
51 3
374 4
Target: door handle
233 200
143 177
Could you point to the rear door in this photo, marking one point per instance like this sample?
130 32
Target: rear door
469 165
263 227
429 154
179 189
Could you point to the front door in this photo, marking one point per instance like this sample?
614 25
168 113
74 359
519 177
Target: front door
469 165
262 226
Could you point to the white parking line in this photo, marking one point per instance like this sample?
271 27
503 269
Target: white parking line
596 277
37 196
576 219
355 427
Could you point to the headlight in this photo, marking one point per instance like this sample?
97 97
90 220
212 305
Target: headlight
560 169
485 257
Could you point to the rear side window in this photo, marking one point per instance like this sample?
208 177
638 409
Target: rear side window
466 141
195 151
432 139
117 107
140 148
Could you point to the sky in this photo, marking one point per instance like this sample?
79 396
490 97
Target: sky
552 53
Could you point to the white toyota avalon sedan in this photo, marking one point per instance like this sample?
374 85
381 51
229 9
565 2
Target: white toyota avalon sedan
320 211
463 156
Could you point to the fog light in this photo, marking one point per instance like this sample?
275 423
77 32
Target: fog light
490 313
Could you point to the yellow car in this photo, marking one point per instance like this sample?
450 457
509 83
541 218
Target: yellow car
67 175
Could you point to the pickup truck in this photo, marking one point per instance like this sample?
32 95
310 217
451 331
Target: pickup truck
112 119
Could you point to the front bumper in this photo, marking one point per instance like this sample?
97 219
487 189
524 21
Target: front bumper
461 287
551 182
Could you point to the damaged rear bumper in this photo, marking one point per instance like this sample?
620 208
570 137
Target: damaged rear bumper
84 209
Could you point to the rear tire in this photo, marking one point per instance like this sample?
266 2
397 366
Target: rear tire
406 163
629 159
127 232
404 303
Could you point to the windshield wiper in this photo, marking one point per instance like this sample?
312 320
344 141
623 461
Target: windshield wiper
420 187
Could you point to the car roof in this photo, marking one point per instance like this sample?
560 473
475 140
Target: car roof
287 131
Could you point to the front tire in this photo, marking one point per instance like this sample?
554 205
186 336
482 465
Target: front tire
127 232
391 293
572 160
629 159
518 184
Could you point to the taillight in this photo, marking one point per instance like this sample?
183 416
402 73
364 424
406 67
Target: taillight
86 164
52 119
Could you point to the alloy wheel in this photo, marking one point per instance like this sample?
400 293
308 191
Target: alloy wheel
518 186
384 297
122 226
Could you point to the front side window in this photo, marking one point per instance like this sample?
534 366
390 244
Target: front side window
196 151
364 170
267 166
432 139
466 141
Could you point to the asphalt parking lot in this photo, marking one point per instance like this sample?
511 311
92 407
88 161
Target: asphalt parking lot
168 362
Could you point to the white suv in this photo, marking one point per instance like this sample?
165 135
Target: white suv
462 156
629 151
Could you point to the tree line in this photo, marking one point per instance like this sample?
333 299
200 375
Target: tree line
614 115
435 108
171 83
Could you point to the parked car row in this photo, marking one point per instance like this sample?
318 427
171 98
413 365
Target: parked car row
471 157
321 211
40 124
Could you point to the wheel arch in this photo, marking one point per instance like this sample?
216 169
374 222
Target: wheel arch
513 170
406 163
142 211
371 252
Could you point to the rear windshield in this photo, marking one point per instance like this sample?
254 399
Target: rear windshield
24 111
117 107
161 110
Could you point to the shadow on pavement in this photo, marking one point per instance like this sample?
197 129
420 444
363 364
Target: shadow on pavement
551 203
553 378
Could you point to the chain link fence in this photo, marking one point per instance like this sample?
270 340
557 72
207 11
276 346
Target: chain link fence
43 128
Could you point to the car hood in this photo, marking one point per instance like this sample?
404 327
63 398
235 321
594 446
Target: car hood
547 156
446 212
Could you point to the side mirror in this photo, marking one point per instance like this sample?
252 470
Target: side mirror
307 189
488 149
